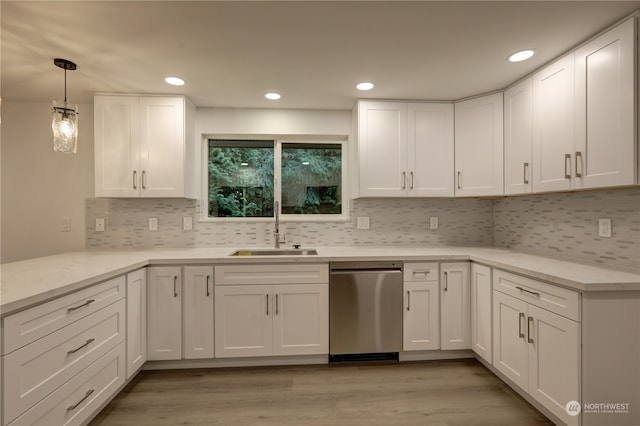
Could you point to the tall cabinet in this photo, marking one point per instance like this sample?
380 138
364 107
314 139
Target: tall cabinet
404 149
144 146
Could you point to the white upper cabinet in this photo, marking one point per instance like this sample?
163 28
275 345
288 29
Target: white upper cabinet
144 146
404 149
518 119
479 146
604 99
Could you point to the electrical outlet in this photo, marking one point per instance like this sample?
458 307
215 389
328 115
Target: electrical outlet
187 223
153 224
99 224
65 224
604 227
433 222
362 222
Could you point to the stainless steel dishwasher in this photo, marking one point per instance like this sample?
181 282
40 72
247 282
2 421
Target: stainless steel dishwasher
365 311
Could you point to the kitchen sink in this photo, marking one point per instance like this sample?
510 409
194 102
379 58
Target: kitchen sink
275 252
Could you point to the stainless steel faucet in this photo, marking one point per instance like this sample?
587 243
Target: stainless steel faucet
276 234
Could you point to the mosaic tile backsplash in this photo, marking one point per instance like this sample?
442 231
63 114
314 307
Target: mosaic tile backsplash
558 225
566 226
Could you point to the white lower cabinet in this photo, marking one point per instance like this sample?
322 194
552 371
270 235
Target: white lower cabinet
421 318
136 320
539 351
264 320
164 313
481 329
455 310
198 312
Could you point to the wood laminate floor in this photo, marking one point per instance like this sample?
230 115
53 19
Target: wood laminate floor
435 393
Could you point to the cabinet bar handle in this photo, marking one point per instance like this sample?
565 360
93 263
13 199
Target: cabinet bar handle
73 351
267 305
144 180
135 179
208 285
446 281
578 163
535 293
175 286
567 170
86 395
87 303
276 304
411 180
404 180
520 318
529 321
421 271
459 180
526 179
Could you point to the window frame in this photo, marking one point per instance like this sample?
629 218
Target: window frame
278 141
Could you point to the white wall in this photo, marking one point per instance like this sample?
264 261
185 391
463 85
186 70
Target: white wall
40 186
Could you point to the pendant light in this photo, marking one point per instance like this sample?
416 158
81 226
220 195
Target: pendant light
65 119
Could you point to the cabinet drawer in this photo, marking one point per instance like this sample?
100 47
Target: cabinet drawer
34 371
415 272
560 300
303 273
27 326
77 399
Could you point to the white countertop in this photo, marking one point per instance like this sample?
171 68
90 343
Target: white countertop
33 281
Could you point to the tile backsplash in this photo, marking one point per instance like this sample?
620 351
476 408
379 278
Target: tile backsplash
558 225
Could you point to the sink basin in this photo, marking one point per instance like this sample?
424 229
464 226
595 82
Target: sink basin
275 252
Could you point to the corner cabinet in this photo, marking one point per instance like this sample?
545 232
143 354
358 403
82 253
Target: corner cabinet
404 149
267 310
479 146
144 146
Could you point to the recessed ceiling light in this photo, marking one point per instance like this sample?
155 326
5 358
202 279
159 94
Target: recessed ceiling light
174 81
522 55
272 96
365 85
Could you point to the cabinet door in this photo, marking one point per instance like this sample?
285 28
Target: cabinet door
479 146
136 320
554 361
510 350
198 312
164 307
455 315
301 319
518 119
421 323
553 126
162 146
430 149
116 146
481 329
605 144
243 321
382 148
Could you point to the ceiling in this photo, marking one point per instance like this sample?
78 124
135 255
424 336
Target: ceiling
312 52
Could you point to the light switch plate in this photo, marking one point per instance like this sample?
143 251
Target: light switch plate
153 224
65 224
362 222
433 222
604 227
187 223
99 224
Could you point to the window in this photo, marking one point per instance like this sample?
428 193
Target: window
246 177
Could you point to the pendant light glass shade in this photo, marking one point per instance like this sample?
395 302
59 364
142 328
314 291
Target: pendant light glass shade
65 128
64 122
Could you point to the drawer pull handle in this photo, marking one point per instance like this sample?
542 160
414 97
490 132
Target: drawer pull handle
526 179
87 303
135 179
144 179
276 303
404 180
73 351
267 305
446 281
175 286
529 321
411 180
520 318
535 293
408 301
86 395
578 164
421 271
567 170
208 278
